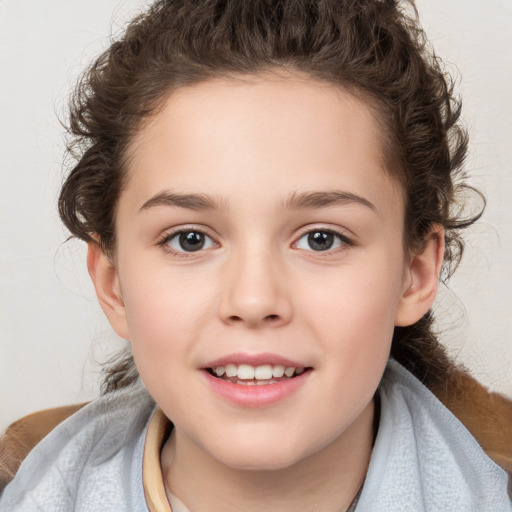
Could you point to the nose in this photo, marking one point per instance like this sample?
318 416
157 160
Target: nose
255 291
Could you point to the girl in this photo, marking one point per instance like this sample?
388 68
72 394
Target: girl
266 189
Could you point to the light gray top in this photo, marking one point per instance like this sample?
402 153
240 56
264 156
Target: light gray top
423 460
91 462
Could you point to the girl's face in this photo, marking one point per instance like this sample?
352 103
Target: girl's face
258 231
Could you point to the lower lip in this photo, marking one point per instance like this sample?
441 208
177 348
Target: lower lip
255 396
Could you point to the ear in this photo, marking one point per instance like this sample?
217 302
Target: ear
104 276
421 280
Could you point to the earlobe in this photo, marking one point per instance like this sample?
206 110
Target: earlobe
421 282
105 278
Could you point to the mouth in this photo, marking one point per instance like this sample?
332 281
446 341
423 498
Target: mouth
261 375
255 380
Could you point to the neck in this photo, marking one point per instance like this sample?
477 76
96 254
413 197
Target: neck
327 480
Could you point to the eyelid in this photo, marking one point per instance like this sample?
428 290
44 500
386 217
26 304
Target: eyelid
347 240
162 241
169 234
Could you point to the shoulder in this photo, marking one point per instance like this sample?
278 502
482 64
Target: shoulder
487 415
424 458
85 457
24 434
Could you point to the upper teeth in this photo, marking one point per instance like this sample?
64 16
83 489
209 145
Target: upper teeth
263 372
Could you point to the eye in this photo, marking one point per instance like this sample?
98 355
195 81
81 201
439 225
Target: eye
321 240
188 241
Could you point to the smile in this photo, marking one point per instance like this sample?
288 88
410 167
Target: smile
255 381
245 374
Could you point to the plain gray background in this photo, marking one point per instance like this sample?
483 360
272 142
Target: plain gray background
52 332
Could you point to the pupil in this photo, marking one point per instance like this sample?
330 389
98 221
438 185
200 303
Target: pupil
191 241
320 240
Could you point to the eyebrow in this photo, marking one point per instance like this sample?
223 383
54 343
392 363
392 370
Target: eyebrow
189 201
305 200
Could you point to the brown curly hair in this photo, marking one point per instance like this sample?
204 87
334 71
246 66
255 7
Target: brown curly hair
373 48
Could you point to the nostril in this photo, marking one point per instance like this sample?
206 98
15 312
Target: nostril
252 319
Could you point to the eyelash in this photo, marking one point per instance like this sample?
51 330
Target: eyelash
343 239
163 242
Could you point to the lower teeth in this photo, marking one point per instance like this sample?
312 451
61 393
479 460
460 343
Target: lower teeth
253 382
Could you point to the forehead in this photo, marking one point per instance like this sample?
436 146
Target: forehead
260 132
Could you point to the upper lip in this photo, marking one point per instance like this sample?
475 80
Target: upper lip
254 360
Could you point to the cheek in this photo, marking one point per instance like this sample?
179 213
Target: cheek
165 311
352 317
359 298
